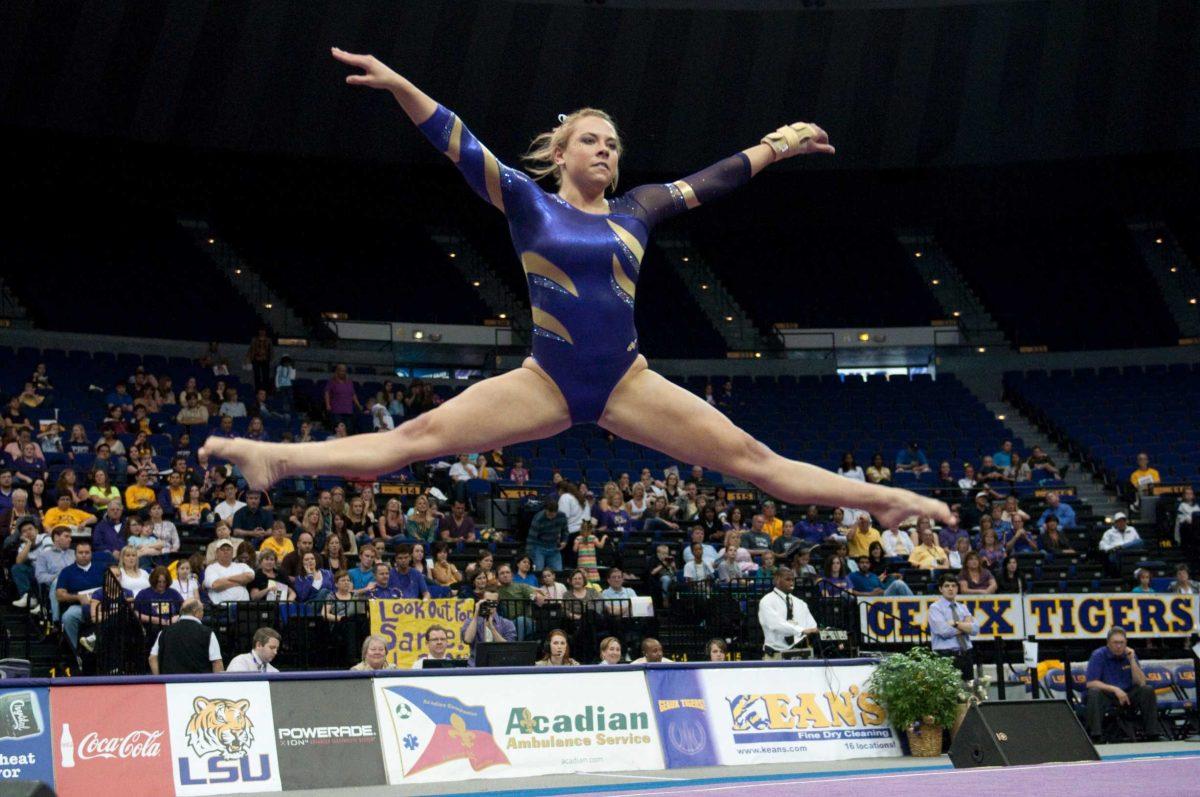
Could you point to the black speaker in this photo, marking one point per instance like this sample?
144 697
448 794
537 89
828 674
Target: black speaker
1015 732
25 788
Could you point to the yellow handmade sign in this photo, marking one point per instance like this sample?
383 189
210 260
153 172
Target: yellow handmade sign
404 621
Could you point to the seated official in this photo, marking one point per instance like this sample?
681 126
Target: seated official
266 646
437 639
785 619
374 654
558 651
1114 677
187 646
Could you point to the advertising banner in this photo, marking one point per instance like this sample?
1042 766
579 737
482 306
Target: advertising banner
327 734
25 738
403 622
456 727
1049 617
1085 616
111 741
222 737
768 715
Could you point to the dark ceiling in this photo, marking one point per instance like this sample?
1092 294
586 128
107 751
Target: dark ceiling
897 85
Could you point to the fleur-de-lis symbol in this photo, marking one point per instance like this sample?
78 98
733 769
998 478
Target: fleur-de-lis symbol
458 730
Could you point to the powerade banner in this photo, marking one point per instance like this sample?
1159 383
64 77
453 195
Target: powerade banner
403 622
327 734
223 737
450 728
764 715
1049 617
25 737
112 741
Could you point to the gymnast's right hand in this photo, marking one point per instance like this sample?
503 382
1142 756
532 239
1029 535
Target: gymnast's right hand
377 74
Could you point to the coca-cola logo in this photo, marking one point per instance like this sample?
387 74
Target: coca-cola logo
135 744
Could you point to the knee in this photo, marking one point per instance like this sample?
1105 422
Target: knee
749 459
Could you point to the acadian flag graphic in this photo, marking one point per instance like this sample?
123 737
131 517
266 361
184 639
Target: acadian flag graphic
433 729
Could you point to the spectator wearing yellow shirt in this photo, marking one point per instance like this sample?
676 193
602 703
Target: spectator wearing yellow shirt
929 555
860 536
771 524
279 542
138 496
66 515
1145 476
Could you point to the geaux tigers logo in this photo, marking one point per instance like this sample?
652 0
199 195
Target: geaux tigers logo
749 712
220 726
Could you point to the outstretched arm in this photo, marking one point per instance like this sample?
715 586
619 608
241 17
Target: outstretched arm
664 201
488 177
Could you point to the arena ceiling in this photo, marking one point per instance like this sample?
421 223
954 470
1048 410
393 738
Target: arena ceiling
897 84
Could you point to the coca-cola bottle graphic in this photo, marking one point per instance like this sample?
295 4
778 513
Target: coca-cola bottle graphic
67 747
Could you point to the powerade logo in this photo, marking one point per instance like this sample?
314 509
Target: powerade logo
325 734
221 730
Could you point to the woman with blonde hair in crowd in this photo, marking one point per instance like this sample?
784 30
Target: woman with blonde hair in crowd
374 655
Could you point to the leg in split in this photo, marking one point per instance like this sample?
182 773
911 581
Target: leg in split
520 405
645 408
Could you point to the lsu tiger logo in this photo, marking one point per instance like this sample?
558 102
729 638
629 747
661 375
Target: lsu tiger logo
749 712
220 726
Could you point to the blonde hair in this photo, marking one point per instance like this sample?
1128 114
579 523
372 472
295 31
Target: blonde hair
539 159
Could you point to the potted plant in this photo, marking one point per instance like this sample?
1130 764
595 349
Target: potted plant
921 692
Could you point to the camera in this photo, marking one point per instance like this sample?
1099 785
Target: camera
486 608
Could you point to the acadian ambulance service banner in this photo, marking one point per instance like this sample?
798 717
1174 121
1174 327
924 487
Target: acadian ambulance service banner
765 715
450 728
1051 616
404 621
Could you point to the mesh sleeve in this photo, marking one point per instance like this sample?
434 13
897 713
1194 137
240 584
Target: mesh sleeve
494 182
663 200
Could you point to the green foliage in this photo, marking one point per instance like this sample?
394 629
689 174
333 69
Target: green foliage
915 685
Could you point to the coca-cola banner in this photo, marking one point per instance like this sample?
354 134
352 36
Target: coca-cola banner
223 737
111 740
25 736
327 742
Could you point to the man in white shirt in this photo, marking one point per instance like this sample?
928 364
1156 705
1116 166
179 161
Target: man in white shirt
437 639
617 591
1120 538
226 579
462 472
381 420
266 645
698 567
231 406
229 507
785 619
897 542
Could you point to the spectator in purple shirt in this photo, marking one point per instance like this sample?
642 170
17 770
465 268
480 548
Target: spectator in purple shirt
458 525
949 535
107 538
341 402
379 587
812 529
406 581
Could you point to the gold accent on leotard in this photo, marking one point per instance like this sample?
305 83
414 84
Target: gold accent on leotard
629 239
623 281
452 151
491 174
551 324
536 264
689 193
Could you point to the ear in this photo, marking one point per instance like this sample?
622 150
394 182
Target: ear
242 706
199 704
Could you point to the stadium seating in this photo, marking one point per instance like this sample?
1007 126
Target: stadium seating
1109 416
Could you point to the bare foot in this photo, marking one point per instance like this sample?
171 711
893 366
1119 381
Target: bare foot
904 504
259 463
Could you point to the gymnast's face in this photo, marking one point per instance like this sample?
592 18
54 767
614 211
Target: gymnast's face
591 156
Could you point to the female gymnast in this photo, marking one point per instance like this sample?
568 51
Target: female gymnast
581 251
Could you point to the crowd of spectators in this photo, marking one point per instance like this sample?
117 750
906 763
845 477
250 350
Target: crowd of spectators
127 498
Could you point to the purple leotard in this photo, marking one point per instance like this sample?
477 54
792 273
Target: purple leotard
582 268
